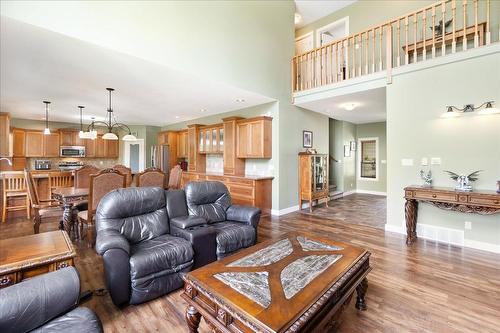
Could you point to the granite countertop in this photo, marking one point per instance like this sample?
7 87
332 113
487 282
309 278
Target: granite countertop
220 174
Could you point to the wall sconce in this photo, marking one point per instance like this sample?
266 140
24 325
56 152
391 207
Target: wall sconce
453 111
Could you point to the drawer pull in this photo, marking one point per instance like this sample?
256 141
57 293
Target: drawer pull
5 281
433 195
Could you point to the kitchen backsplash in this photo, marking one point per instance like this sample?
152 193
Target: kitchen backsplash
101 163
214 164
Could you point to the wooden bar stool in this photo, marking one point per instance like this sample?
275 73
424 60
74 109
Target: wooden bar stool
14 189
60 179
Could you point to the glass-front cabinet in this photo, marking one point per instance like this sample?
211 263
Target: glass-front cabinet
211 140
221 140
313 178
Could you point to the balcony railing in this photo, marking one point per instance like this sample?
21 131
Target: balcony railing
411 38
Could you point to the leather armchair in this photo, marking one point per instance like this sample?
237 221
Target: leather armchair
235 226
46 303
142 259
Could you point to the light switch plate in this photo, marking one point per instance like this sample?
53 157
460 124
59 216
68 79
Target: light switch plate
424 162
383 161
436 160
407 162
468 225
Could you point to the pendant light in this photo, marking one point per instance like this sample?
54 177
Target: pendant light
110 125
82 134
46 131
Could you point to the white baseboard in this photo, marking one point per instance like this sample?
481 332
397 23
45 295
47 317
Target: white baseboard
295 208
372 192
345 194
445 236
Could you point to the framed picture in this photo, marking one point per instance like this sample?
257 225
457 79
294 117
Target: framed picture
307 139
347 151
353 145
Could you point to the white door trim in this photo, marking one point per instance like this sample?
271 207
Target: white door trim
306 36
358 159
142 153
344 20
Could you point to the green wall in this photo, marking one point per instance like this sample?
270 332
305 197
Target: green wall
374 130
415 102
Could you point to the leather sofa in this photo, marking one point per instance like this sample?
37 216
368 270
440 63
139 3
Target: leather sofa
46 303
142 260
149 237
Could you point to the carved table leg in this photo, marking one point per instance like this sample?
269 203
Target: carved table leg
193 318
361 291
68 218
411 209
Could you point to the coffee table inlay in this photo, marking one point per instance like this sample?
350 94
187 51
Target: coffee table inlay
299 283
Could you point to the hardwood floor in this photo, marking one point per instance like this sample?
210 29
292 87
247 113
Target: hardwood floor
357 208
428 287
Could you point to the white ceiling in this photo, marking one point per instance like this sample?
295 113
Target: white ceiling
312 10
371 106
37 64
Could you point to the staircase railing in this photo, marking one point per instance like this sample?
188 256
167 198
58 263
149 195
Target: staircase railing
442 28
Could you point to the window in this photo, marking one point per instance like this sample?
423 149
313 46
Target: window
368 159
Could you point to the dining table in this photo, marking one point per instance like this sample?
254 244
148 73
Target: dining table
68 197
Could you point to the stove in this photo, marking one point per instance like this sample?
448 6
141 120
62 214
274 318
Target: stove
67 166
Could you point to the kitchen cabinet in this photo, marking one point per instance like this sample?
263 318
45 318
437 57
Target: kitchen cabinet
4 134
196 160
170 138
34 144
100 146
71 137
210 139
254 137
18 142
232 164
51 145
112 148
90 146
182 144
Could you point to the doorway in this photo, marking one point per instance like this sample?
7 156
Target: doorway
332 32
134 155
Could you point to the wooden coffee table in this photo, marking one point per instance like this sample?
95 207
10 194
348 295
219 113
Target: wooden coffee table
300 283
28 256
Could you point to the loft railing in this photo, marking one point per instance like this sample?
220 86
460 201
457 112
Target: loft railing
445 27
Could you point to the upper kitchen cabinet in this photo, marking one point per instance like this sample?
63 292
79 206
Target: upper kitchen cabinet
70 137
34 144
211 139
51 145
18 142
4 134
182 144
112 148
254 137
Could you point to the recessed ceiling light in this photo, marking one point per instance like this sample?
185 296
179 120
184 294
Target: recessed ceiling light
177 117
298 18
203 110
349 106
240 100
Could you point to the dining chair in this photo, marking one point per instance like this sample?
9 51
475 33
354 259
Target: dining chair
42 209
174 181
101 184
60 179
126 171
14 189
82 176
151 177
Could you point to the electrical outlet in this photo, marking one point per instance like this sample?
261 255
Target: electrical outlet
436 160
468 225
424 162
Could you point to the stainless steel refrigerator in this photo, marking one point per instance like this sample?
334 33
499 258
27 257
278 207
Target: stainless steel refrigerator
160 158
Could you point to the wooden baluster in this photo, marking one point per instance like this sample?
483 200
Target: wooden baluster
433 32
424 29
488 33
360 47
415 53
476 32
354 56
464 38
299 83
398 36
366 52
380 50
335 70
311 69
443 29
407 57
347 68
321 57
373 50
453 19
388 53
295 71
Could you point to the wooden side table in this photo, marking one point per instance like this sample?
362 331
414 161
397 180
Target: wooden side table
24 257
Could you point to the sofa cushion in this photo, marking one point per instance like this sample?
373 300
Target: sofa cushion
81 319
137 213
232 236
185 222
176 203
164 254
209 200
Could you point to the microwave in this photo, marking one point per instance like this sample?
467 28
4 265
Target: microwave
72 151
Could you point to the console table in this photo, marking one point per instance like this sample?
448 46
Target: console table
479 202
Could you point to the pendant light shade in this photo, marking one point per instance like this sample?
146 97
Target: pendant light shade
110 136
46 131
129 137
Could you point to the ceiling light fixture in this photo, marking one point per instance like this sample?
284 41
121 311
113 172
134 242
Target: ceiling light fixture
453 111
46 131
349 106
240 100
82 134
110 125
297 18
203 110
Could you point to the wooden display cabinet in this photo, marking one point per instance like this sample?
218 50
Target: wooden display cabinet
313 178
211 139
4 134
196 160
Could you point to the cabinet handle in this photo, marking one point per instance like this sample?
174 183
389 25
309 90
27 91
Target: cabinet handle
433 195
